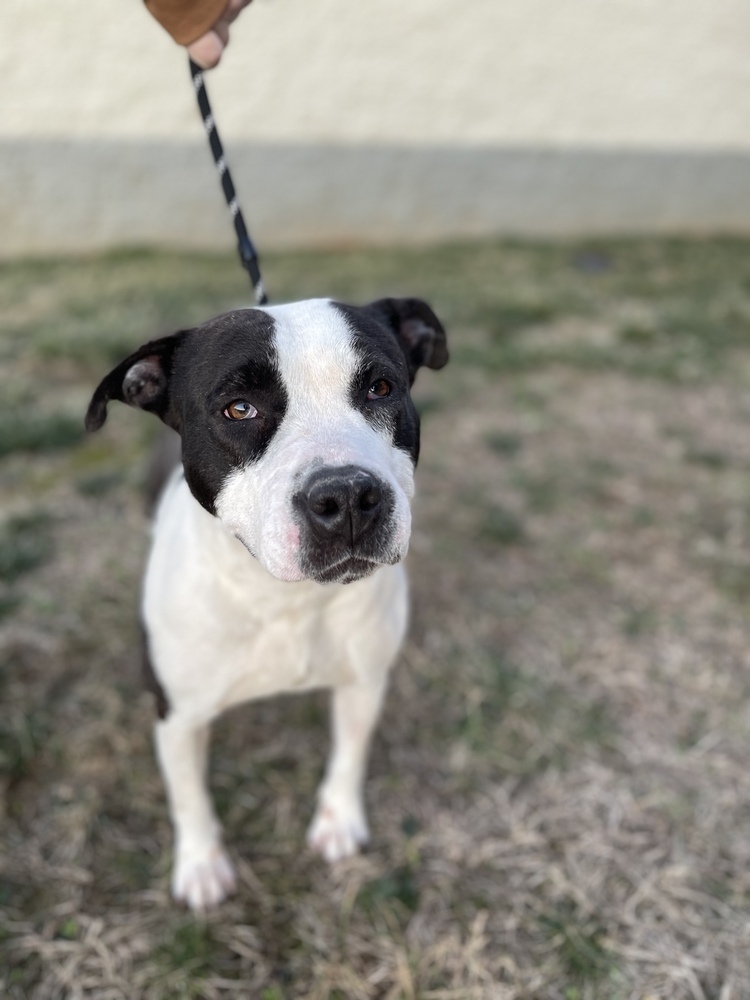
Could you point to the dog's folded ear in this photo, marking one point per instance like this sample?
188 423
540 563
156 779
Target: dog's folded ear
419 330
140 380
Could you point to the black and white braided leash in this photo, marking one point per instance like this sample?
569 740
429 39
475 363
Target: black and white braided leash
245 247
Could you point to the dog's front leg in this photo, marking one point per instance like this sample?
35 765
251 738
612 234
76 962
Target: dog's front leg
202 875
339 826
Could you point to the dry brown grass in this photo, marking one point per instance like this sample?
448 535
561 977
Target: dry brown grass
559 790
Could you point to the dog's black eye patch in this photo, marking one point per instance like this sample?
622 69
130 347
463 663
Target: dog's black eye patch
381 363
233 361
380 391
408 323
254 376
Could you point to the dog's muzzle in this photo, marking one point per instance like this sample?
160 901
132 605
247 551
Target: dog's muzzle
345 515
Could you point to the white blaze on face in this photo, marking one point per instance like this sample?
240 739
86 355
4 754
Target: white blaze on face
321 427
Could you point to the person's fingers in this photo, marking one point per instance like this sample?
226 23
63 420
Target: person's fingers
233 8
206 51
222 30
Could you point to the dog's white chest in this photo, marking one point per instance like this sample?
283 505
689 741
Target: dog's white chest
289 651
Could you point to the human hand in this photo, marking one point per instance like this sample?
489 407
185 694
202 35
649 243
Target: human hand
207 50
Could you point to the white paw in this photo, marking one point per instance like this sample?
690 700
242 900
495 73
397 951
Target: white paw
338 831
203 880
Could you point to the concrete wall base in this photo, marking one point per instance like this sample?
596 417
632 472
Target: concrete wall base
78 196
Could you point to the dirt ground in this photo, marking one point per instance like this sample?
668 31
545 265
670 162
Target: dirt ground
559 791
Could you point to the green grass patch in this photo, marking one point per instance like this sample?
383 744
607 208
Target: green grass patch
68 930
429 405
192 949
733 579
21 739
541 492
643 517
524 723
396 891
21 430
503 443
577 939
508 316
639 622
500 526
641 336
99 484
497 684
709 459
134 869
26 543
9 602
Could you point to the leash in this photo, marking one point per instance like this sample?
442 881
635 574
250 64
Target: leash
245 248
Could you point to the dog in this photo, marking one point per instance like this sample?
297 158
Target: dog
276 558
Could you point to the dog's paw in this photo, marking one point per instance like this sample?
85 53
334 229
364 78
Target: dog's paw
203 881
337 832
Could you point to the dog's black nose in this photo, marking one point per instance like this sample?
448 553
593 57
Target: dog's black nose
342 502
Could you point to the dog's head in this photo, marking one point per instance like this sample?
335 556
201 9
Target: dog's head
298 430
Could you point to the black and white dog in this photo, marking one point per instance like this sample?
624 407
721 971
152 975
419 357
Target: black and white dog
299 442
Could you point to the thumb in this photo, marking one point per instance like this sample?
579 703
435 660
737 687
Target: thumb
206 51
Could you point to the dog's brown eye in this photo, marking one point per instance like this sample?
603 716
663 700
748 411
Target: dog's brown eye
379 389
240 409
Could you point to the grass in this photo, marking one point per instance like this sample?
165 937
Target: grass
21 738
503 444
397 890
21 431
25 544
501 526
559 793
579 942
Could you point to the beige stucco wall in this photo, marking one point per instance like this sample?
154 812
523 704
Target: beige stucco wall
347 119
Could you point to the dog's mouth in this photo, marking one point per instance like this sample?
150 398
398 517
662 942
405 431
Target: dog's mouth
345 570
